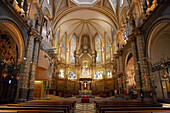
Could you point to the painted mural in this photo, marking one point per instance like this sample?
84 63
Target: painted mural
72 48
98 48
107 46
63 47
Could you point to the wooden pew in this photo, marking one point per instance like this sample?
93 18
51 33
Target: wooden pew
105 106
7 111
56 109
134 109
48 106
30 111
57 102
70 105
99 109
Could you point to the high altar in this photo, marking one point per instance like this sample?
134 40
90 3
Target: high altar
86 61
85 87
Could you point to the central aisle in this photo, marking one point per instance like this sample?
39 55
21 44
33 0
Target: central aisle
85 108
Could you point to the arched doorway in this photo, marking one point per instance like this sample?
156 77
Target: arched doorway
130 72
158 51
10 55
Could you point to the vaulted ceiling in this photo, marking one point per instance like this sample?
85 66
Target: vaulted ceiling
85 17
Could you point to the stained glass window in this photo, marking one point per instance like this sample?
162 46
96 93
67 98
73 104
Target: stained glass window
72 75
57 36
109 74
114 2
98 48
121 3
61 74
98 75
107 46
63 47
114 40
72 48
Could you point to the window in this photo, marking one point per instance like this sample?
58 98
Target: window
63 47
72 48
98 48
121 3
48 1
98 75
61 74
109 74
72 75
107 42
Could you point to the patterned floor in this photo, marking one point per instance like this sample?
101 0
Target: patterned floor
85 108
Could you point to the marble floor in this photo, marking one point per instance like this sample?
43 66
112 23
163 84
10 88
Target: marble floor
85 108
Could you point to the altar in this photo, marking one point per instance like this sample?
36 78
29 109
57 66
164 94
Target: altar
85 93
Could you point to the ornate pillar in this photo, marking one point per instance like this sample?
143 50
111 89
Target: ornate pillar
82 86
132 40
24 77
34 65
88 85
118 66
142 63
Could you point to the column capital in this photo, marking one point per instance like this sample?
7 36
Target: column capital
119 52
32 32
38 38
131 38
137 32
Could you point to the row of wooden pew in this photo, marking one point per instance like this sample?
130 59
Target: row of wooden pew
40 106
128 106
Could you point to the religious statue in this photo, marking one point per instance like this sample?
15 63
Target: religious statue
85 43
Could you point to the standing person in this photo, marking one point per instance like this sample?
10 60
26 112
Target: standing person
142 95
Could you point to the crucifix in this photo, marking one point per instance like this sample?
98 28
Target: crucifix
85 84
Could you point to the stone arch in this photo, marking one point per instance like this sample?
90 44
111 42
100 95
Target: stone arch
46 12
130 70
157 26
123 14
157 48
15 32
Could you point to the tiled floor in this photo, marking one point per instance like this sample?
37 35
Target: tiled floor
85 108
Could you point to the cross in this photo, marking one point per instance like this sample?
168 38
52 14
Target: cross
85 84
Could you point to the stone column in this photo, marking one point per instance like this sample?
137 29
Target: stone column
88 85
82 86
118 66
142 63
138 81
132 40
34 65
24 76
